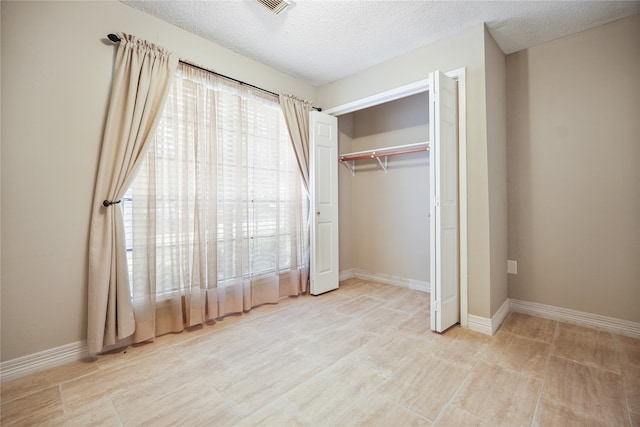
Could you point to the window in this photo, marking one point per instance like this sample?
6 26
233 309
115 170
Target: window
219 196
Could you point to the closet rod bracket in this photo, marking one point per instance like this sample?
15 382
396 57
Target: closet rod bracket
350 165
382 165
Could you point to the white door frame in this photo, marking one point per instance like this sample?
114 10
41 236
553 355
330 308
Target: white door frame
412 89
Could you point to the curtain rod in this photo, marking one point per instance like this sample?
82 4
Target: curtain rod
114 38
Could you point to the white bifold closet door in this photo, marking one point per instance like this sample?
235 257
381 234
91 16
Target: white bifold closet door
323 163
443 135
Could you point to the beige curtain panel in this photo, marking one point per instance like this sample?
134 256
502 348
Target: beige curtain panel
296 115
143 73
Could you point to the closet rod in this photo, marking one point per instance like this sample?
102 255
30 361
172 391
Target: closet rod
114 38
375 154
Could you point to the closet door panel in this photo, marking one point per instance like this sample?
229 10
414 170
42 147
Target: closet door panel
324 202
445 281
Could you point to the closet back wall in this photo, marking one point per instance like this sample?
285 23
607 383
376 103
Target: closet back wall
388 212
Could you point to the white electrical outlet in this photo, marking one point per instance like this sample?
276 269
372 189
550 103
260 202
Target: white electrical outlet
512 266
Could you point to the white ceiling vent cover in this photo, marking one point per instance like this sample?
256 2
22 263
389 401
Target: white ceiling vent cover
275 6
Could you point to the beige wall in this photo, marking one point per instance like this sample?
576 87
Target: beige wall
497 169
56 74
390 227
574 173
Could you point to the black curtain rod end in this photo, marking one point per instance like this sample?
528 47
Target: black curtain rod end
113 38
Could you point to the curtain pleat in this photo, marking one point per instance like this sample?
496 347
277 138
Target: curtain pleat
143 73
296 115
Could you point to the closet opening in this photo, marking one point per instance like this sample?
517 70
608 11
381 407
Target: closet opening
385 204
384 199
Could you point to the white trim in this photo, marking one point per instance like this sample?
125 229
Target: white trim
420 285
47 359
581 318
479 324
415 285
489 326
500 315
380 98
346 274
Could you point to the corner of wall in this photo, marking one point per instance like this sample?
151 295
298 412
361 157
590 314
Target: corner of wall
496 104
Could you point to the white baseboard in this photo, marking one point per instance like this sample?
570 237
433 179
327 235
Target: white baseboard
489 326
47 359
346 274
580 318
479 324
416 285
420 285
500 315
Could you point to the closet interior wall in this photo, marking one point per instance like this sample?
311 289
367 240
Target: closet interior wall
384 216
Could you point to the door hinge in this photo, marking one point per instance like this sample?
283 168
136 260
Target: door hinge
436 201
437 306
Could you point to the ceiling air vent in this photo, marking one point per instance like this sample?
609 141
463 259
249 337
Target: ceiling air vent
275 6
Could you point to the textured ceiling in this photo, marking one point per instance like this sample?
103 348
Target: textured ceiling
320 41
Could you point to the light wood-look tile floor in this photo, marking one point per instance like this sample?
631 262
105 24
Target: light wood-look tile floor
361 355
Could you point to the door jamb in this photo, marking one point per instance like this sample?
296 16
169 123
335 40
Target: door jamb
419 86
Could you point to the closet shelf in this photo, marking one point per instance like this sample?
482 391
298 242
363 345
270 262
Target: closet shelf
349 159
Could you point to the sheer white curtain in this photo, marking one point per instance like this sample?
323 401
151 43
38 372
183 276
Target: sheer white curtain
217 210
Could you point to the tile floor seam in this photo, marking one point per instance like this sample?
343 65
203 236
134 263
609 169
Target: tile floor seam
397 403
580 410
628 405
525 337
229 404
588 365
544 380
556 331
454 395
115 409
485 422
62 401
62 383
535 410
408 409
